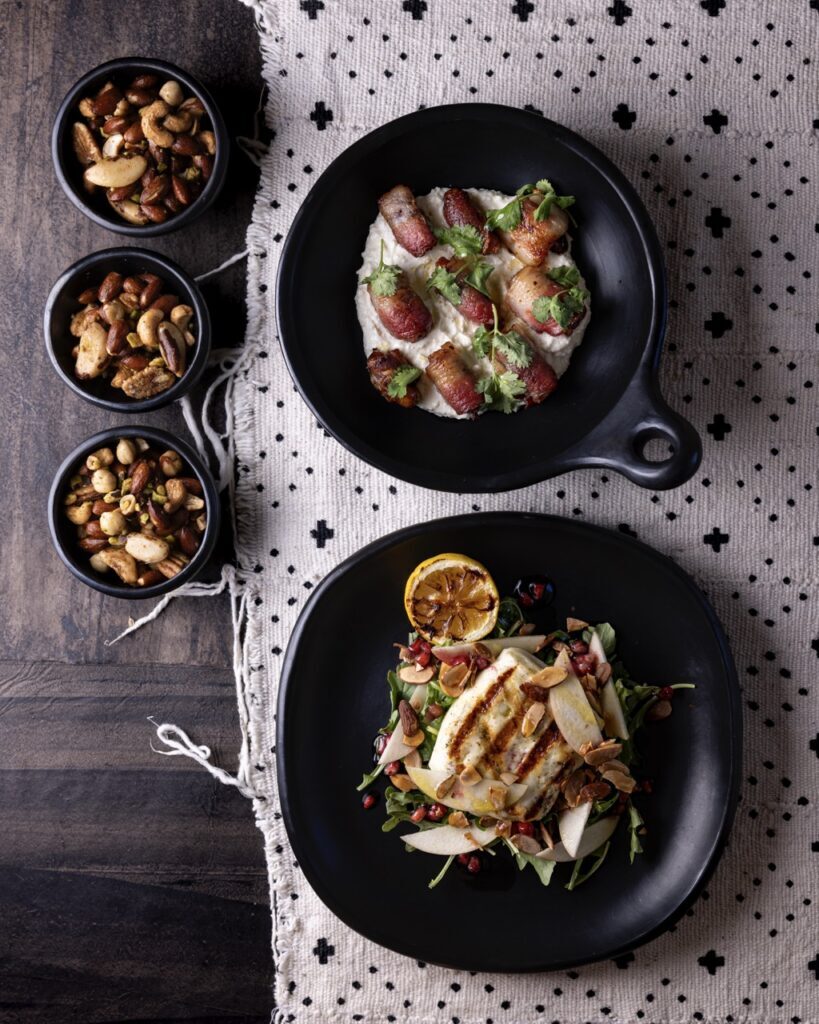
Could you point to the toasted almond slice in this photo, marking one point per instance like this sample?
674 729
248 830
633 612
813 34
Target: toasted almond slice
458 819
445 786
614 766
551 675
572 624
498 796
470 775
532 718
453 678
526 629
547 839
526 844
593 791
603 752
413 759
402 782
603 672
508 778
414 675
415 740
503 828
625 783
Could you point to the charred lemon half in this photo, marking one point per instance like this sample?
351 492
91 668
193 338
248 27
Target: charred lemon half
451 598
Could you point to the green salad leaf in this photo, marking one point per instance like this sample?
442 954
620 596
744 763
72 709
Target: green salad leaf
579 876
510 617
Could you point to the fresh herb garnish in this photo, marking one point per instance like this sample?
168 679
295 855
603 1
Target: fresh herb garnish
550 198
467 244
433 882
446 283
509 216
401 380
561 307
579 876
567 276
478 276
465 240
501 391
370 777
383 280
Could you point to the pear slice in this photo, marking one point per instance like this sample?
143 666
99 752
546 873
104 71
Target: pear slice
448 841
593 837
474 799
571 825
523 643
418 696
614 721
573 714
396 748
596 648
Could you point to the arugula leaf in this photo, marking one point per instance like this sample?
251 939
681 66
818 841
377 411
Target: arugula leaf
399 690
607 636
465 240
370 777
502 391
510 617
507 217
478 276
446 283
635 822
567 275
578 875
401 380
441 873
383 280
544 868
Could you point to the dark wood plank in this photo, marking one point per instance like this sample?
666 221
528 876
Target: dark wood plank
132 887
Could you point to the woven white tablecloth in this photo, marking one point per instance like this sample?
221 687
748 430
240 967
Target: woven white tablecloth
708 109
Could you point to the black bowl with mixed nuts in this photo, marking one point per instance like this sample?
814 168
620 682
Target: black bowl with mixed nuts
140 146
134 512
127 329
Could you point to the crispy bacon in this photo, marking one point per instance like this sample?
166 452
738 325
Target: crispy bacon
540 379
459 211
528 285
474 305
381 367
403 313
453 380
408 224
532 239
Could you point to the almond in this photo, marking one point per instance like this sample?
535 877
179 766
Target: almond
526 844
414 675
625 783
572 624
551 675
532 718
409 720
603 752
470 776
403 782
458 819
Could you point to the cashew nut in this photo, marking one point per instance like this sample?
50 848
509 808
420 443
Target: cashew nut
151 128
113 311
208 140
86 107
98 563
128 210
147 326
121 562
171 93
177 494
182 121
92 357
79 514
112 146
124 170
181 317
122 108
80 321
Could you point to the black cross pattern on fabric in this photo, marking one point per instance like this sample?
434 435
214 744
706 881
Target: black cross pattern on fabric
717 221
718 324
716 539
323 950
522 8
715 121
321 115
623 117
619 11
719 427
712 960
311 8
416 8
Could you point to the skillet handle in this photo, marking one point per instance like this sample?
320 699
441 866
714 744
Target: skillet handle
626 439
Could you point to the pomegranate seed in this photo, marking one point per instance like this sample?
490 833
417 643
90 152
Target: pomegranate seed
463 858
578 647
523 828
418 814
537 590
393 768
459 659
582 665
666 693
421 652
481 664
474 865
370 800
436 812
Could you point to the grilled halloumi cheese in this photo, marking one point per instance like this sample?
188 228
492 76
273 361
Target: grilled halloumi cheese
482 729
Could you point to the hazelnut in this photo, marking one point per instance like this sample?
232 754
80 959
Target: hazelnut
170 462
126 451
100 458
112 523
103 481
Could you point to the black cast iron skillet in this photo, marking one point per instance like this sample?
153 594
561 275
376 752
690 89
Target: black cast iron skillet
333 699
608 405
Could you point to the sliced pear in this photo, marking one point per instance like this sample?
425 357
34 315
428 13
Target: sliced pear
448 841
523 643
595 835
418 696
571 825
396 748
476 799
596 648
614 721
573 714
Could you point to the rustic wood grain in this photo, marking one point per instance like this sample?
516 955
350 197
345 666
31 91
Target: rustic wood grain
132 887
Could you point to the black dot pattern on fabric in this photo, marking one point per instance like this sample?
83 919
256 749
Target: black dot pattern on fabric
709 108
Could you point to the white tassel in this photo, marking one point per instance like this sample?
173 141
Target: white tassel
223 266
180 744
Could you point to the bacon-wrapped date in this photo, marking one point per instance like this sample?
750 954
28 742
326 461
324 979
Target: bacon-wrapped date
532 239
540 379
528 285
473 305
382 367
403 313
460 211
408 224
453 380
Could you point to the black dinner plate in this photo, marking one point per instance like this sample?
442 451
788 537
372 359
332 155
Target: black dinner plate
608 405
333 699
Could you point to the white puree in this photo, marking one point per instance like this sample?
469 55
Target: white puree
448 324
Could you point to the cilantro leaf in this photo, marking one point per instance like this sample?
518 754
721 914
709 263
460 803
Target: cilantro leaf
446 283
506 218
465 240
482 342
514 347
560 308
478 276
383 281
401 379
502 391
567 276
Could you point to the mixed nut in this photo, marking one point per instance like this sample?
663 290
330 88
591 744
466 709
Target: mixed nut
132 333
147 145
138 511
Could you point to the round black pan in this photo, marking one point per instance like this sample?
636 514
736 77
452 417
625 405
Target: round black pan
333 699
608 405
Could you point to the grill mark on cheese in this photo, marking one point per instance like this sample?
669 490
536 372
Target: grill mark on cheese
538 752
476 712
493 758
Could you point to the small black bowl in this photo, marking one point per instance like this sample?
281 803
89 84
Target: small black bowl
608 406
62 530
68 169
62 304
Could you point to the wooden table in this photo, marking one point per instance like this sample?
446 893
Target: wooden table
132 887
